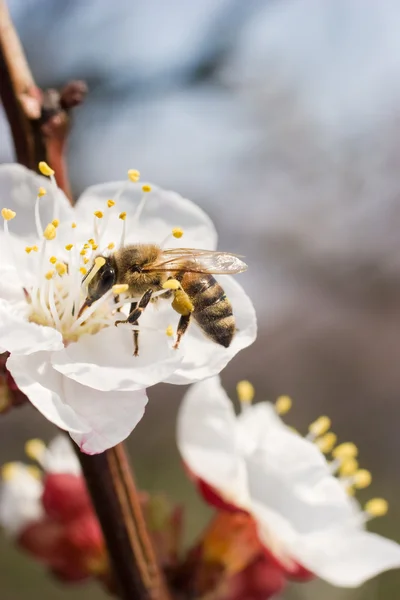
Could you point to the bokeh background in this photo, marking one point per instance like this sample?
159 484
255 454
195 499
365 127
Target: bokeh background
281 118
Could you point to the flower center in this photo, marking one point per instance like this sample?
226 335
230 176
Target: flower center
60 273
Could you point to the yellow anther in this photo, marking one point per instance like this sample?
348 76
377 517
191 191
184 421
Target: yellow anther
41 192
28 249
169 331
351 491
98 214
34 471
69 247
348 467
55 222
377 507
346 450
110 203
100 261
35 249
91 241
177 232
86 246
146 188
122 216
7 214
171 284
61 268
83 270
82 252
133 175
35 449
9 471
49 275
86 260
245 391
45 169
53 260
50 232
94 246
362 479
326 442
320 426
111 245
73 225
283 404
120 288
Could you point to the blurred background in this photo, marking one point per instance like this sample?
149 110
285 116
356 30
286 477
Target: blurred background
281 118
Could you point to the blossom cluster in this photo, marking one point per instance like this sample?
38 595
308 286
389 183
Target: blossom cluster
48 512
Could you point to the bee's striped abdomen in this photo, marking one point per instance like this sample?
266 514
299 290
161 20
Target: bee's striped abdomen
212 309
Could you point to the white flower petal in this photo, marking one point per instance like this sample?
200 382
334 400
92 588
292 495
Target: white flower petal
19 336
163 211
43 386
111 415
347 557
11 288
20 497
255 423
304 494
59 457
105 361
207 439
19 187
203 357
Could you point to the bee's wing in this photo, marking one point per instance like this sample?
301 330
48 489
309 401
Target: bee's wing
199 261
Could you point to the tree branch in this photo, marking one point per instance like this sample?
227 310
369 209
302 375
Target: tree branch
116 500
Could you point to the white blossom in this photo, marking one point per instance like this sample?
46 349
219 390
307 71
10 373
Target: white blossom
304 513
78 370
21 485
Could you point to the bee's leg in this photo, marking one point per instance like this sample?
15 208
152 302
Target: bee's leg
182 326
136 310
133 307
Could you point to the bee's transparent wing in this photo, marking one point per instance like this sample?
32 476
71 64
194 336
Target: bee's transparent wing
199 261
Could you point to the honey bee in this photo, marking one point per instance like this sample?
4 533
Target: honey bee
147 268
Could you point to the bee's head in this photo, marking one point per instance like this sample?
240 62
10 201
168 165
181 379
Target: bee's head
100 282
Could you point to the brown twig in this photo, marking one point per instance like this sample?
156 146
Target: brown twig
39 120
116 500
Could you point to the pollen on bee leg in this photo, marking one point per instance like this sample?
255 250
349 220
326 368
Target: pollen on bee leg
171 284
283 405
120 288
245 392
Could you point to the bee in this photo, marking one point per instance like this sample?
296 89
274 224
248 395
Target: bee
147 268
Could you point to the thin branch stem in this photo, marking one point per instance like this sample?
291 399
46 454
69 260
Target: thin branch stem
116 500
